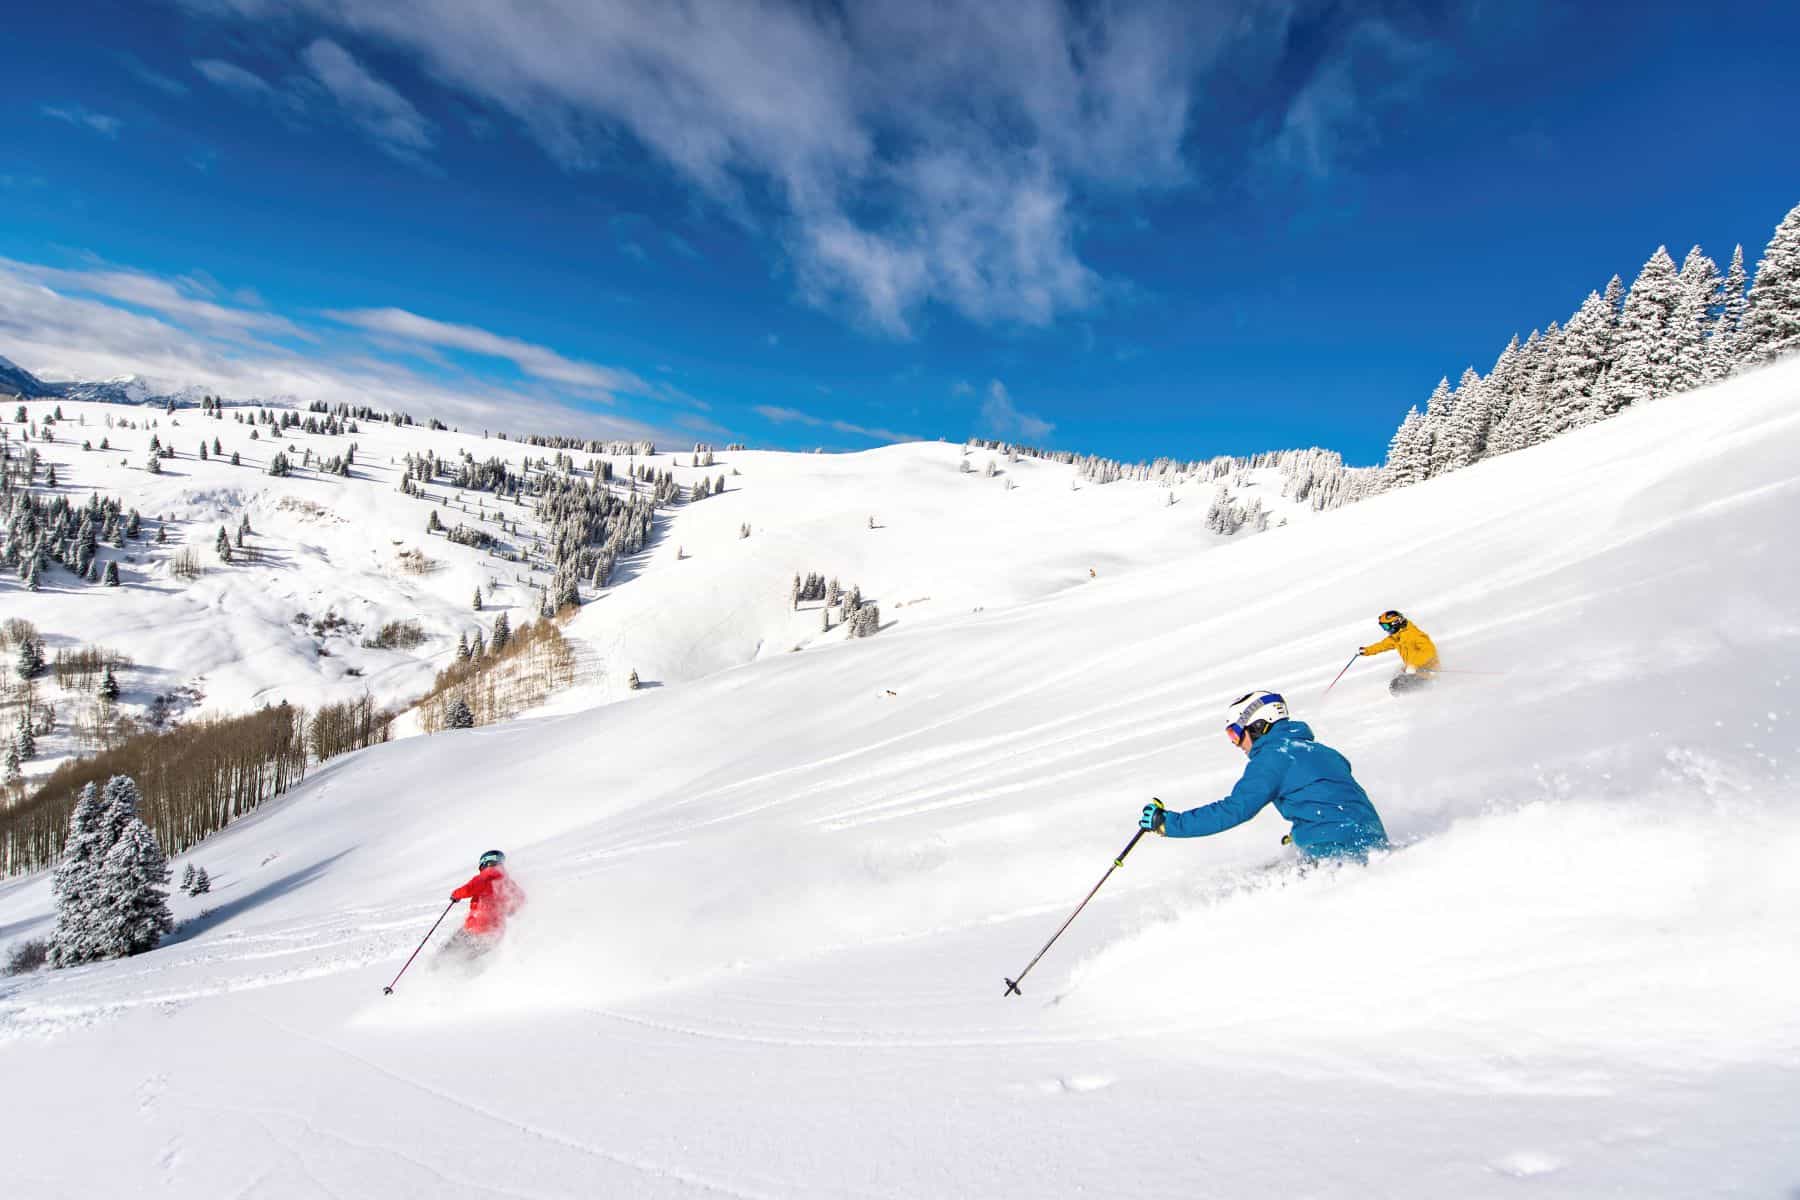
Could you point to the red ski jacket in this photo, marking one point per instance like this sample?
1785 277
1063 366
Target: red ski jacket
492 898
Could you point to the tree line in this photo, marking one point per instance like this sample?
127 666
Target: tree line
195 778
1674 329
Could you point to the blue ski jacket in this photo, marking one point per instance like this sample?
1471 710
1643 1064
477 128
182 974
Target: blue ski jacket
1309 784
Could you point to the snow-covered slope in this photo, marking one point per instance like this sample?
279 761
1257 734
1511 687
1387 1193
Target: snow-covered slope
771 908
701 599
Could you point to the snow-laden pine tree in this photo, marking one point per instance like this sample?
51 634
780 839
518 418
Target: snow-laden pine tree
1436 424
477 588
1771 325
502 634
202 882
1408 459
1644 358
24 740
109 684
1578 386
1698 287
457 715
1722 344
187 878
133 880
76 882
111 576
1519 423
1463 435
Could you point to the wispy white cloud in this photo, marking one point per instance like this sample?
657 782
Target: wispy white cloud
234 78
385 116
785 416
1335 113
918 154
792 416
541 362
155 79
84 118
184 298
66 323
1002 418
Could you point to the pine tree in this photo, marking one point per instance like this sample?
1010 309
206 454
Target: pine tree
202 451
12 768
76 882
1722 344
1522 409
502 634
1771 324
1406 463
458 716
633 682
279 465
477 593
462 647
1643 362
153 464
187 879
24 740
111 576
109 684
222 544
1436 428
1463 435
133 878
202 882
1698 287
1577 394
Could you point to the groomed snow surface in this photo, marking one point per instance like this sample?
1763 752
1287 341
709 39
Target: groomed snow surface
771 907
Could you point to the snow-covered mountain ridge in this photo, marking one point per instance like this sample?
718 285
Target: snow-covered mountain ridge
771 907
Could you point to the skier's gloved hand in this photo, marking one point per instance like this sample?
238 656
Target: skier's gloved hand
1152 820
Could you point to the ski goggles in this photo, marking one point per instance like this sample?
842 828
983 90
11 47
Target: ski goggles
1235 732
1393 626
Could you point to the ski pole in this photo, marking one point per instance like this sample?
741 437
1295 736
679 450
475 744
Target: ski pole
1012 985
389 989
1340 674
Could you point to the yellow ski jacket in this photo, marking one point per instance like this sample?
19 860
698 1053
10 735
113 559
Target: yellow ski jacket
1415 648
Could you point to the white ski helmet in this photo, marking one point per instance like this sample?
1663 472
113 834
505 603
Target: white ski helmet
1253 713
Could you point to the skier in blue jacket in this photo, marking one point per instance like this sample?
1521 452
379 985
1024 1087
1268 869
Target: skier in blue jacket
1309 784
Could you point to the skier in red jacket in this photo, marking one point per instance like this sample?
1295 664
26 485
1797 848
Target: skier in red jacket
492 897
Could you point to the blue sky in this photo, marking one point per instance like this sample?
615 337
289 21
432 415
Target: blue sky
1129 229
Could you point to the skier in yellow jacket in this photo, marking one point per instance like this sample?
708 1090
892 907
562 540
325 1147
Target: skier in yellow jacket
1418 656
